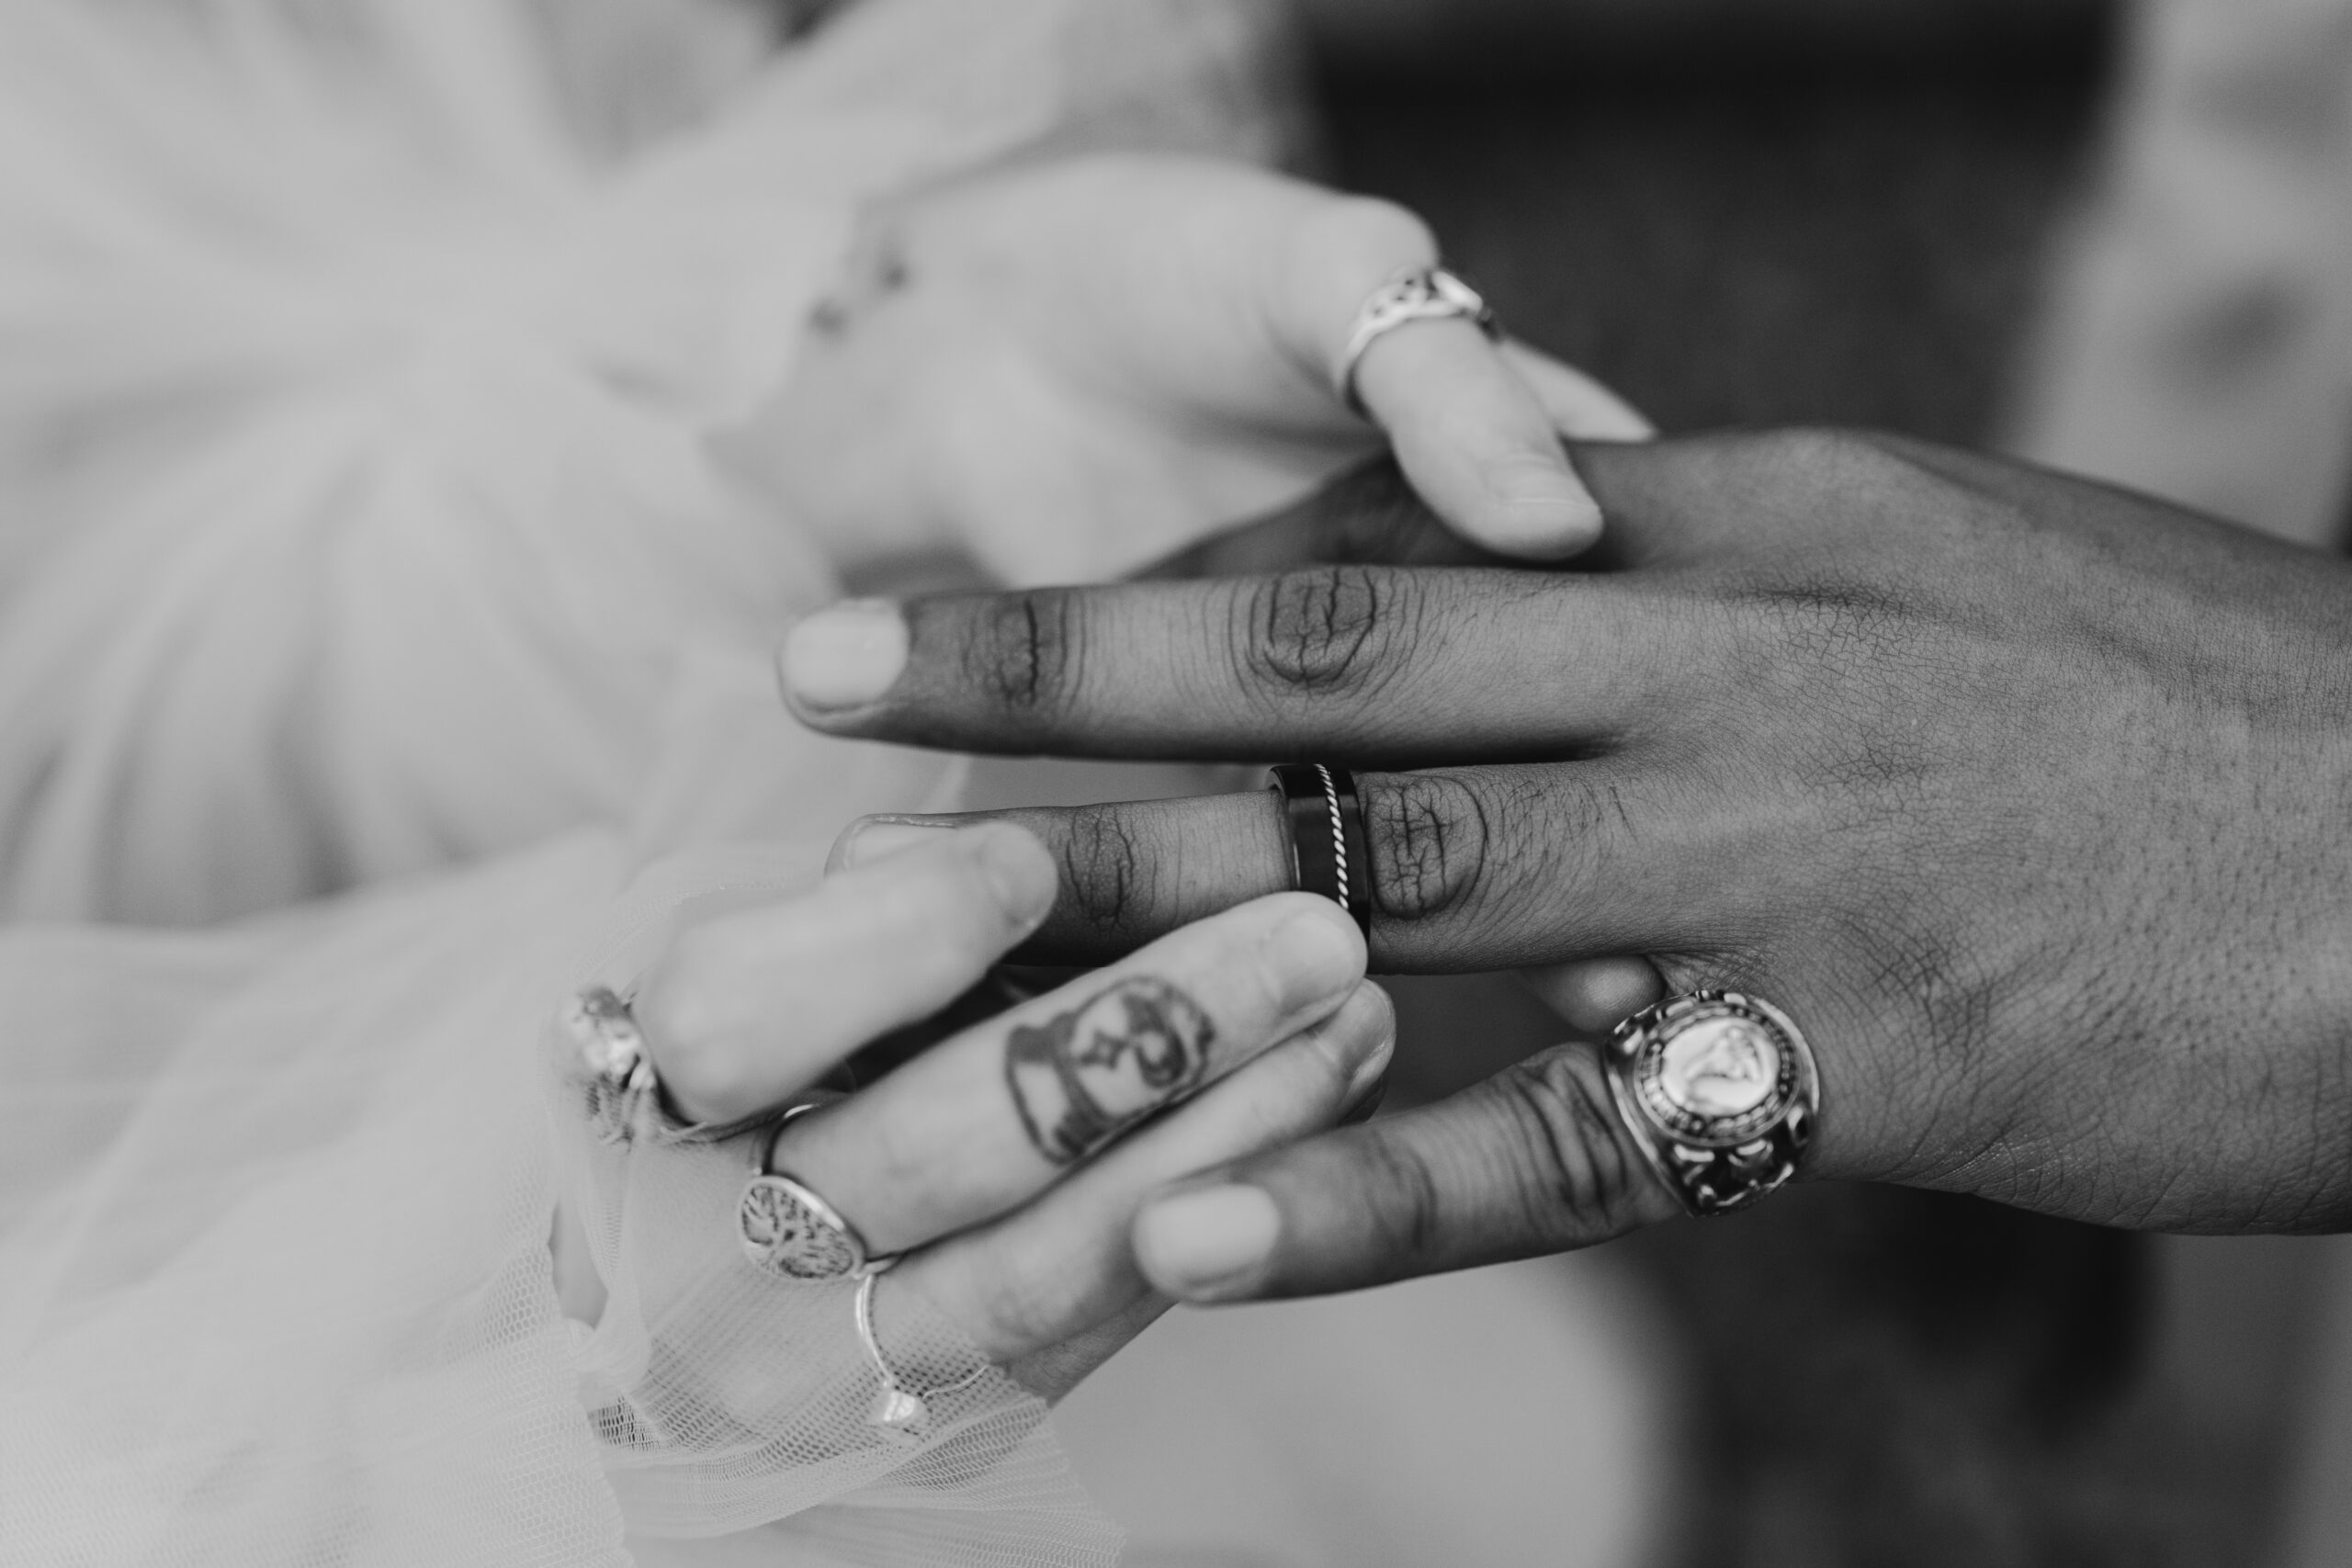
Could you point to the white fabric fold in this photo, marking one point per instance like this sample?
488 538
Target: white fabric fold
354 497
295 1306
357 531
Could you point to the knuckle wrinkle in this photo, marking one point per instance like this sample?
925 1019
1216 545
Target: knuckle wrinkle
1021 652
1105 869
1427 843
1316 630
1578 1176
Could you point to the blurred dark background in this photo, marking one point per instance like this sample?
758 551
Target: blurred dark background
1738 212
1828 210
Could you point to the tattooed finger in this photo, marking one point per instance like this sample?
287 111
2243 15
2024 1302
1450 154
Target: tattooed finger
1082 1078
983 1122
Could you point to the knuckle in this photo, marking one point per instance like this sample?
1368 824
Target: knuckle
677 1005
1402 1198
1574 1174
1322 631
1857 631
1430 839
1020 652
1341 235
1105 873
695 1043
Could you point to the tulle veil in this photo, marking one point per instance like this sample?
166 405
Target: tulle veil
360 543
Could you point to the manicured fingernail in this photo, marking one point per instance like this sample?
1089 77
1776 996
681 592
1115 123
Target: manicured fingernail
1209 1244
845 656
871 838
1547 512
1020 870
1530 481
1317 953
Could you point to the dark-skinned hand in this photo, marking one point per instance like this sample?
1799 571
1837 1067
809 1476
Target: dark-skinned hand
2025 796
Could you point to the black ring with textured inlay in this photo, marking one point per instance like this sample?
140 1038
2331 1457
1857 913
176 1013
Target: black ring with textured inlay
1325 822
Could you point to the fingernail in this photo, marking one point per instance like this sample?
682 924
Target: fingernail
1317 953
871 838
1528 480
1020 868
1209 1244
845 656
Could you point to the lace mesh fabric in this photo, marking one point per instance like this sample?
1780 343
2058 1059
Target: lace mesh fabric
356 521
728 1396
292 1305
356 487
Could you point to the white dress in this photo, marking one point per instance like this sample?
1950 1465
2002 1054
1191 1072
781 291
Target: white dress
360 534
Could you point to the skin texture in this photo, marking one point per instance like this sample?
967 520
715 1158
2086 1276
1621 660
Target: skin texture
1087 1075
2023 795
1070 367
1231 1036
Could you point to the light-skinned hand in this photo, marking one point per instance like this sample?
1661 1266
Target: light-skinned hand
1069 367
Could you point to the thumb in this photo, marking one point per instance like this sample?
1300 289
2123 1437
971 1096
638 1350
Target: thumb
1577 406
1476 439
1533 1160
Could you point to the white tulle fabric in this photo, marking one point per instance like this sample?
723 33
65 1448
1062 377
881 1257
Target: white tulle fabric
354 389
357 522
275 1284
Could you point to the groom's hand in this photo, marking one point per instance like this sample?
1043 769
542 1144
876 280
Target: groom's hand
2024 796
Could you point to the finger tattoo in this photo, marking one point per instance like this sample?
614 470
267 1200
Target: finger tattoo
1084 1078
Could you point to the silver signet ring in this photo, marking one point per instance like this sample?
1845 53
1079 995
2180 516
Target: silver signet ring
788 1228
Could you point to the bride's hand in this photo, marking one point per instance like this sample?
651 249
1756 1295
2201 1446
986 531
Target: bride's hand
1066 370
989 1159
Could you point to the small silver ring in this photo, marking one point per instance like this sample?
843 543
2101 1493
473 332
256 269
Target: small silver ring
788 1228
897 1406
1417 294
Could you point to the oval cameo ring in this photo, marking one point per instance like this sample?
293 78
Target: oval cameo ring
1720 1091
787 1228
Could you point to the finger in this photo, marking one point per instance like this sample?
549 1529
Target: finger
1475 441
743 1011
1596 994
984 1120
1052 1373
1577 405
1535 1160
1686 497
1366 515
1373 666
1468 430
1468 869
1745 498
1031 1284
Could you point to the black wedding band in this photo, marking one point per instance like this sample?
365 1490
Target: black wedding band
1325 822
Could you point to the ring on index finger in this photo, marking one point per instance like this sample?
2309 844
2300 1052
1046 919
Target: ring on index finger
1419 294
